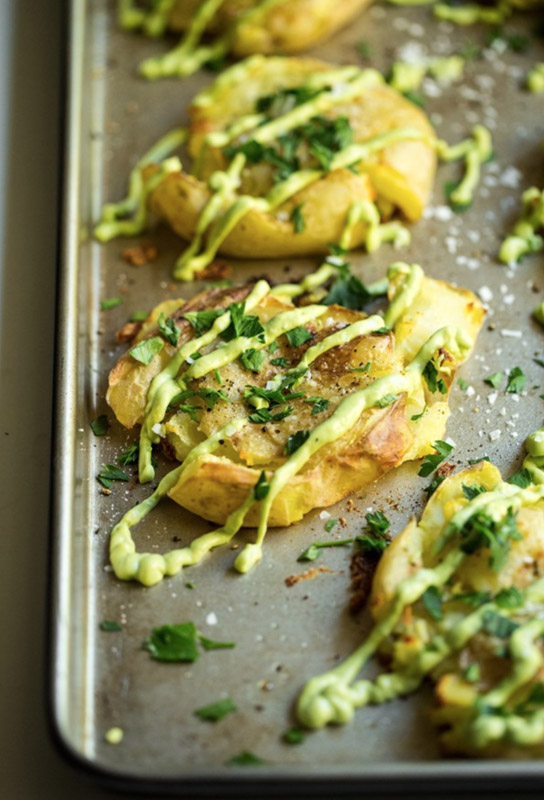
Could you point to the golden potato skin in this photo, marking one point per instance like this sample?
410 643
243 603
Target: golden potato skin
381 439
401 174
290 27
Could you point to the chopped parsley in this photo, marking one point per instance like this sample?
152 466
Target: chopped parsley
480 530
297 336
365 368
348 291
216 711
262 487
509 598
110 626
330 524
245 759
279 362
242 324
201 321
314 550
495 379
513 41
147 350
319 404
473 491
100 426
498 625
432 600
473 599
292 377
252 359
415 417
168 329
522 478
138 316
211 644
111 302
295 441
462 384
364 49
473 461
212 396
539 361
472 673
173 643
416 98
110 473
263 415
431 462
187 408
516 381
294 736
434 383
129 456
297 218
374 538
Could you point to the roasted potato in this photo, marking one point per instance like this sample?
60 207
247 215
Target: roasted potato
399 176
383 437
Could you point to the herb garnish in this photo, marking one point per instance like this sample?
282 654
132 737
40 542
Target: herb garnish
498 625
297 218
242 324
509 598
168 329
252 359
374 539
365 368
473 491
109 626
216 711
431 462
145 351
432 600
179 643
279 362
434 383
295 441
139 316
262 487
387 400
480 530
516 381
110 473
100 426
202 321
415 417
245 759
110 302
522 478
297 336
494 379
129 456
314 550
319 404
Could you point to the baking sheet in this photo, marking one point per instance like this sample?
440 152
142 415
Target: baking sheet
283 635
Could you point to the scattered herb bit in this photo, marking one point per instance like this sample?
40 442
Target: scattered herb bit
497 625
480 530
472 673
473 461
360 369
387 400
168 329
319 404
462 384
314 550
449 189
364 49
298 336
279 362
516 381
111 302
212 396
273 347
431 462
348 291
190 585
211 644
138 316
246 759
473 599
194 357
297 218
294 736
110 626
100 426
377 522
293 376
173 643
202 321
242 324
218 378
222 284
262 487
416 98
432 600
434 383
415 417
374 539
522 478
295 441
494 379
252 360
473 491
509 598
187 408
110 473
216 711
434 484
147 350
330 523
514 41
129 456
539 361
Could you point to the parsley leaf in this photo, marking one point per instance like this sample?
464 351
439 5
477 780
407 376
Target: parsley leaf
202 321
147 350
245 759
187 408
297 336
100 426
279 362
473 599
110 473
173 643
462 384
294 736
242 324
434 383
509 598
109 303
387 400
494 379
516 381
168 329
211 644
415 417
297 218
431 462
349 292
212 396
472 673
129 456
473 491
138 316
522 478
497 625
374 539
330 524
252 359
216 711
320 404
366 367
378 522
295 441
432 600
315 550
262 487
480 530
110 626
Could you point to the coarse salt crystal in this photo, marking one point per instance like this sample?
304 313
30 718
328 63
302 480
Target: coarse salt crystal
324 515
158 428
485 294
511 333
211 618
494 435
492 398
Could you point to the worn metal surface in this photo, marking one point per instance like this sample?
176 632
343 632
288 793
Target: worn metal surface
283 635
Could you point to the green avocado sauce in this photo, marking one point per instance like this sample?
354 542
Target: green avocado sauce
334 696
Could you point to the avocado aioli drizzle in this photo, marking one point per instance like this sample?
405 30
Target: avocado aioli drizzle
470 14
224 209
150 568
333 696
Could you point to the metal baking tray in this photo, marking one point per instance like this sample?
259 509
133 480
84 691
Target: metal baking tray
283 635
